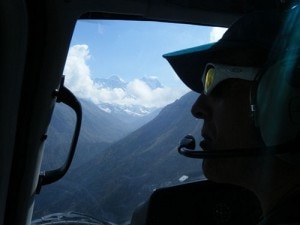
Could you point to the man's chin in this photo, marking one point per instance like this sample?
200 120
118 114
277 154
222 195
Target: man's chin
217 169
208 168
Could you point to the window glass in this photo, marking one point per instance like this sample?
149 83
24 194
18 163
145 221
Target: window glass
135 111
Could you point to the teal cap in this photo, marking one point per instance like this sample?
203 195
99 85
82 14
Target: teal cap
253 31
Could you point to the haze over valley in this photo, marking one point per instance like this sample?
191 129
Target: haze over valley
117 163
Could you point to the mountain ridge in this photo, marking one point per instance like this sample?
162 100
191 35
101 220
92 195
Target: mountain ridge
117 179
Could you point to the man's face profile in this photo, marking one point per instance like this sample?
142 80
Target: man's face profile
227 124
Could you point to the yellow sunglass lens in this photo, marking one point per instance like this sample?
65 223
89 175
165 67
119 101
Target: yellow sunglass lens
209 78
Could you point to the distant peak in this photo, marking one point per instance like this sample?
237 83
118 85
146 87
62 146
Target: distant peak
152 82
111 82
116 78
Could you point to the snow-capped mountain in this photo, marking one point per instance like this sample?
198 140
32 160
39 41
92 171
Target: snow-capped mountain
118 82
111 82
132 110
152 82
121 87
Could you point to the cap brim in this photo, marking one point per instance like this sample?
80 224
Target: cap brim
190 63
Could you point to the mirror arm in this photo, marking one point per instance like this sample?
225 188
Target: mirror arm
65 96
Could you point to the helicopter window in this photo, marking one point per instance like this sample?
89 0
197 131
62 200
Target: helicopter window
135 110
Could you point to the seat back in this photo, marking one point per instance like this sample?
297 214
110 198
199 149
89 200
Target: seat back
202 202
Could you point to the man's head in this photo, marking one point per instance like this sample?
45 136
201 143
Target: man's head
238 108
248 51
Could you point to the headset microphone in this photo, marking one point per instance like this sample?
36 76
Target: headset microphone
188 144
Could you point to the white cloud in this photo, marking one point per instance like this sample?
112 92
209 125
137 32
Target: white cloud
78 73
216 33
141 94
137 92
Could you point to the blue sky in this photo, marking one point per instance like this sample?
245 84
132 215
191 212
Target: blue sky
127 48
130 50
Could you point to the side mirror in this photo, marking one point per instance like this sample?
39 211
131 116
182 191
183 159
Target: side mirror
65 96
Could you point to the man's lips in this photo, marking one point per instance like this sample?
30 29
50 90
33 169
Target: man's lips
207 141
204 144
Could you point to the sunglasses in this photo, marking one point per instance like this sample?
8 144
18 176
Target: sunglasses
216 73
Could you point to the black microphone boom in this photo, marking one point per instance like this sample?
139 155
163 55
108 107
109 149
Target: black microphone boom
188 144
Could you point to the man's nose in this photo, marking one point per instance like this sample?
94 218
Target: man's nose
199 110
